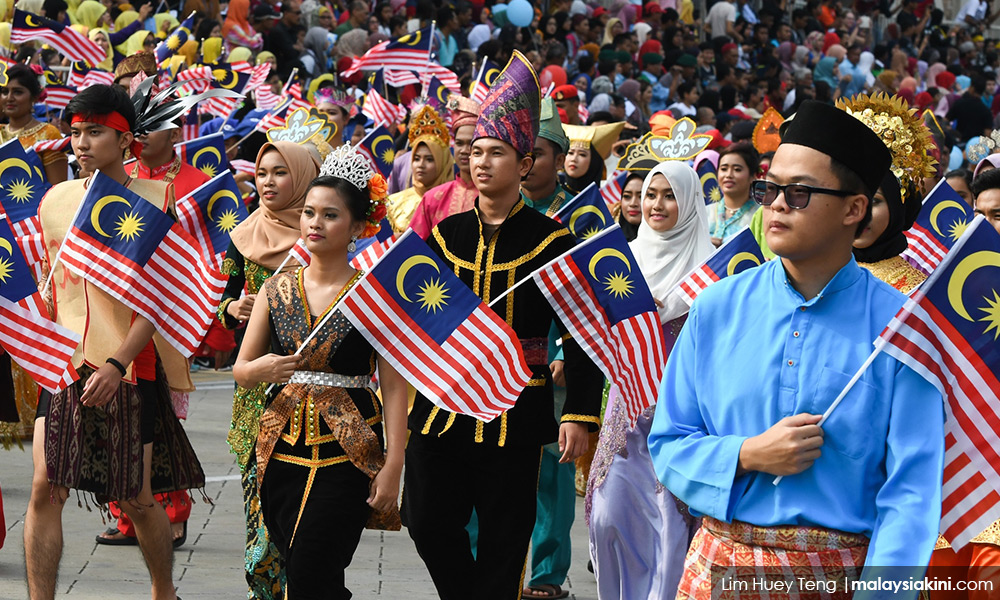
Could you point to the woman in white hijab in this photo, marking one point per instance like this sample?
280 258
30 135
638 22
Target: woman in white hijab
640 533
673 236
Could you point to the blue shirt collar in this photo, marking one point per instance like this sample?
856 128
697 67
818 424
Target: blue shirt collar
845 277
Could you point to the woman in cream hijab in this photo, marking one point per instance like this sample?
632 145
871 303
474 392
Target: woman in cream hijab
431 165
639 533
259 245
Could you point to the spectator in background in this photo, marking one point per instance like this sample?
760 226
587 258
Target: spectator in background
970 115
447 25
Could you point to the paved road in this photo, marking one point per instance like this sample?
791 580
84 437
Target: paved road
210 565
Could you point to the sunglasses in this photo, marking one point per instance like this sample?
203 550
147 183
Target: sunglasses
797 195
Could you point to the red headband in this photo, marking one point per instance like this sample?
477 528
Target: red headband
115 121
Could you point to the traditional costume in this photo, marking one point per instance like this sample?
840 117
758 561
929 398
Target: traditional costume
639 532
909 142
99 450
455 463
551 128
427 128
258 246
454 196
599 139
873 497
320 442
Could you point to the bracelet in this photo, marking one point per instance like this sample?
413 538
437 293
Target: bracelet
117 365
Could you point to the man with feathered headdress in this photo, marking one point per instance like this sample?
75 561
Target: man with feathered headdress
492 247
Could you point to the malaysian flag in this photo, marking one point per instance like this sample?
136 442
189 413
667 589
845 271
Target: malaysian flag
132 250
265 98
415 311
437 93
21 188
599 293
377 108
258 75
192 123
947 332
82 76
196 79
943 219
58 96
300 253
737 254
400 78
210 213
206 153
59 144
175 40
365 258
380 149
586 214
612 189
33 249
29 27
244 166
225 79
488 72
446 75
410 52
279 115
705 167
39 346
583 113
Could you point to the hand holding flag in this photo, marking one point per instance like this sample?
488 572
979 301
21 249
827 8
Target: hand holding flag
415 311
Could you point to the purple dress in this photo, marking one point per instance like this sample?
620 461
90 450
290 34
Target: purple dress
639 532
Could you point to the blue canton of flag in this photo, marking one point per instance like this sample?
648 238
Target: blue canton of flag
709 181
211 212
585 215
437 93
16 282
23 183
430 293
121 221
948 332
175 40
737 254
415 311
380 148
943 219
206 153
600 295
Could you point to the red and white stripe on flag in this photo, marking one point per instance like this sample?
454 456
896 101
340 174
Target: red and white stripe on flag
696 283
923 248
583 113
300 253
366 259
445 76
177 290
480 92
97 77
266 99
486 383
258 75
397 78
611 191
196 80
965 372
58 96
34 252
382 111
46 145
630 353
243 166
42 348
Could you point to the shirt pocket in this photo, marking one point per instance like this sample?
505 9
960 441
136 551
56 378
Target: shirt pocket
849 430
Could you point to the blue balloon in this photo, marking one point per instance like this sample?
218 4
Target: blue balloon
499 7
520 13
955 160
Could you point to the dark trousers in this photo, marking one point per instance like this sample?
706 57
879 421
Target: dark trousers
443 481
329 529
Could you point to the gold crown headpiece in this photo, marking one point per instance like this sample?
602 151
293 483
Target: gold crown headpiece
902 131
425 122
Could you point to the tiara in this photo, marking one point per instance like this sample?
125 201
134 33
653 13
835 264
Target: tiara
347 164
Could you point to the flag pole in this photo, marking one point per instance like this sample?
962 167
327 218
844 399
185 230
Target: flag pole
330 312
844 392
284 90
55 259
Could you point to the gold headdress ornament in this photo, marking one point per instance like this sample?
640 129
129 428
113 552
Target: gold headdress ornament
305 127
903 132
426 124
603 137
650 150
766 134
984 147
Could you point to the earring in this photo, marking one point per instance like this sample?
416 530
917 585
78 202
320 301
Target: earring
352 246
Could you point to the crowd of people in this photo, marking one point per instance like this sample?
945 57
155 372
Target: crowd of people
820 127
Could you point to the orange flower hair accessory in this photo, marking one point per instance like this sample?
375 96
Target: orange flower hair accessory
378 190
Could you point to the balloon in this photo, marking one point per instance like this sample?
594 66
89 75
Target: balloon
520 13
